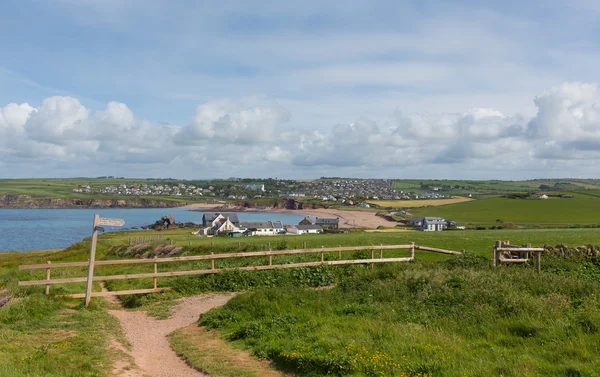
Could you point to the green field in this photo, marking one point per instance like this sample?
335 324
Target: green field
440 315
495 187
583 209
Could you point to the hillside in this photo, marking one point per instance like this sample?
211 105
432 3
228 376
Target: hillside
582 209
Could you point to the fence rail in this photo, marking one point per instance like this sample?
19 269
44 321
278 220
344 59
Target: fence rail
505 253
212 257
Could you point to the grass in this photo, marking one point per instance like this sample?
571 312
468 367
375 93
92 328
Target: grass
582 209
453 318
208 352
48 336
419 202
375 313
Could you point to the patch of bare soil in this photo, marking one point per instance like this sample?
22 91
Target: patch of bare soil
148 336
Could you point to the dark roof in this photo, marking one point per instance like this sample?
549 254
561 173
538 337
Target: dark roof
256 225
327 221
308 227
415 220
277 224
211 216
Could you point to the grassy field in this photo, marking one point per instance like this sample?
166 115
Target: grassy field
583 209
441 315
483 187
418 203
453 318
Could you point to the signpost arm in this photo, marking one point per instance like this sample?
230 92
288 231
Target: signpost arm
90 277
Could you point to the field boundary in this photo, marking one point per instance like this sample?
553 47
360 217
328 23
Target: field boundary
212 257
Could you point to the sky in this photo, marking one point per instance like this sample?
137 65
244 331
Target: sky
289 89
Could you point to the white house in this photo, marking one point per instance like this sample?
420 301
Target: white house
305 229
267 228
539 196
219 226
433 224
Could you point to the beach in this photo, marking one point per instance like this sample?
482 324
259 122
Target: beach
348 219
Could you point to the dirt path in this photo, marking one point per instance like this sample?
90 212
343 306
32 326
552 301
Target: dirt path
148 336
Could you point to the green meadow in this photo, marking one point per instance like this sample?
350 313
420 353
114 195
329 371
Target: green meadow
582 209
437 316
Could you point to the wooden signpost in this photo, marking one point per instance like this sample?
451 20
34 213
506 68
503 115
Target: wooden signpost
97 223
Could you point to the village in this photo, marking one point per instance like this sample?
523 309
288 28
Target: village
351 192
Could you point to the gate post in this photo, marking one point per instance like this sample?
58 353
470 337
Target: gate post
90 277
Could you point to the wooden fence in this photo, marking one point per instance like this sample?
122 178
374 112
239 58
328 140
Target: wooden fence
505 253
212 257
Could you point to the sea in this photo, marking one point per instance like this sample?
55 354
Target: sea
39 229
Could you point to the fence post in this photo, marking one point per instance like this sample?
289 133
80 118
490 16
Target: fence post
381 251
212 261
496 254
90 277
48 278
322 254
411 250
270 258
340 252
538 261
372 256
155 271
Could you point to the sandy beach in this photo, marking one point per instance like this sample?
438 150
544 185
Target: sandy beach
348 219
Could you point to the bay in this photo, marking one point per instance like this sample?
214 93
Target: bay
38 229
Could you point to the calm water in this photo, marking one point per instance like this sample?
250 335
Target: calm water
35 229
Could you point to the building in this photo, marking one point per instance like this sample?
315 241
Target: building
306 221
539 196
435 224
254 187
266 228
220 225
328 223
209 219
305 229
415 221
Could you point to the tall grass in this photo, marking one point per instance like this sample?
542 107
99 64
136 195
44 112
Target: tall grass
453 318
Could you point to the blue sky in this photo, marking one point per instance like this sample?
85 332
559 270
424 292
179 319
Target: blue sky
465 89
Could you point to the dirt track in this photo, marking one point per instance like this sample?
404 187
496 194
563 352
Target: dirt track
148 336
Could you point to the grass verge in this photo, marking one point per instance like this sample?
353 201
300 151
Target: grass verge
206 351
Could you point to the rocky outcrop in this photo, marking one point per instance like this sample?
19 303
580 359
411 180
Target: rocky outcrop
26 201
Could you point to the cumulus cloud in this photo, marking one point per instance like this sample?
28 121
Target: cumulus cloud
247 121
249 136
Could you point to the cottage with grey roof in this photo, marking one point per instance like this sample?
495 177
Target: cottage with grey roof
435 224
328 223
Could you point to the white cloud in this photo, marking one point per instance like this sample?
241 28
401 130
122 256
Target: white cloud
58 120
247 121
248 137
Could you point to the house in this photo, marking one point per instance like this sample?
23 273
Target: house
306 221
266 228
209 219
305 229
328 223
539 196
220 225
260 187
433 224
415 221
